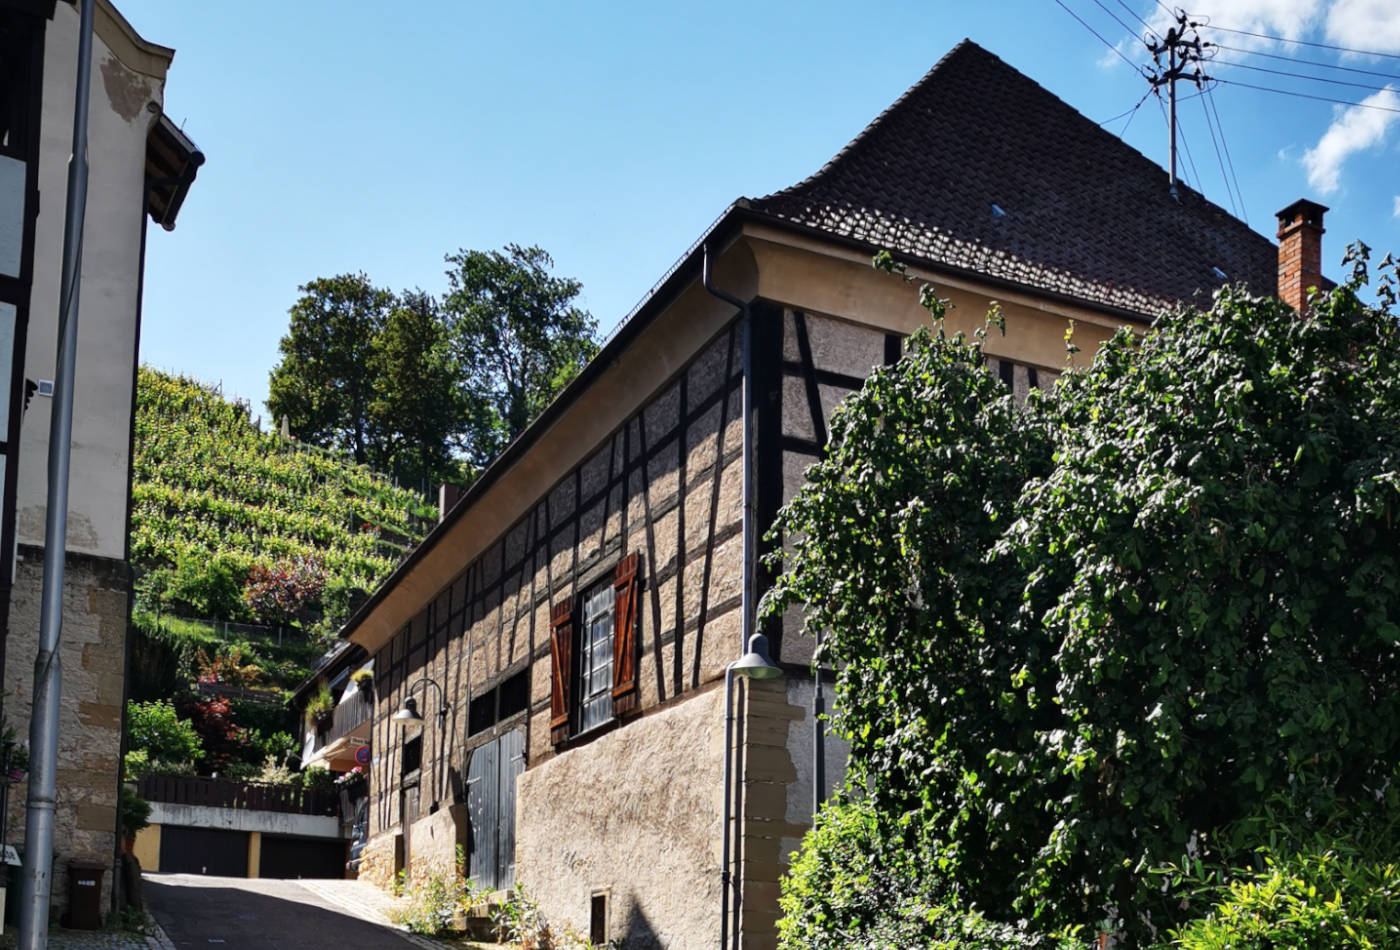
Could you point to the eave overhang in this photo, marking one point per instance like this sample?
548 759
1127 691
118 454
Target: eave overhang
385 612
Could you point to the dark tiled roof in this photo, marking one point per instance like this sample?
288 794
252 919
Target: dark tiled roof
1085 215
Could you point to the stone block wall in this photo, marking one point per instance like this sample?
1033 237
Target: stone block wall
93 657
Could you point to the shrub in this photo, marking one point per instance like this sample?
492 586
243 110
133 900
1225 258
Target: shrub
849 889
157 730
1321 900
316 778
210 587
282 592
233 665
223 741
135 812
1075 637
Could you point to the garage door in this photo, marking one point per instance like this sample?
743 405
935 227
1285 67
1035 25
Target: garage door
203 851
302 857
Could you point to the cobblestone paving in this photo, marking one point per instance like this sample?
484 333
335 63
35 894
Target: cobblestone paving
60 939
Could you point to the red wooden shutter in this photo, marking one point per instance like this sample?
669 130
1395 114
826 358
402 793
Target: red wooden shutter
561 643
625 603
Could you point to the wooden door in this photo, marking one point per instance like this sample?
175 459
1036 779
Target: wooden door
491 774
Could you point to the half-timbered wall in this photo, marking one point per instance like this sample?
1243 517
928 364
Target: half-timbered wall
824 359
666 484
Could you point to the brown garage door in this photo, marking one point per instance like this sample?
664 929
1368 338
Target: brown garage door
203 851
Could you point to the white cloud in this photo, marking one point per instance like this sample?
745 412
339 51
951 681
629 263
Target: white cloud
1397 206
1364 24
1352 130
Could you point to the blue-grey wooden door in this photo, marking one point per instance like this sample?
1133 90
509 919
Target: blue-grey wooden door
491 775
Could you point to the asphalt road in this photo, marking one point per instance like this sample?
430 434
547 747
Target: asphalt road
227 913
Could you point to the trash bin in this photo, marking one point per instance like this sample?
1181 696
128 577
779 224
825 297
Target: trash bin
85 894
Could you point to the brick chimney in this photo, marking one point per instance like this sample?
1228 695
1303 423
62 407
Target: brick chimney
1299 251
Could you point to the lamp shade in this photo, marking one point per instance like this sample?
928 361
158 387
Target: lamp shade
408 713
756 664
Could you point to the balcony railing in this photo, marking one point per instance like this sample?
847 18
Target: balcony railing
351 713
223 793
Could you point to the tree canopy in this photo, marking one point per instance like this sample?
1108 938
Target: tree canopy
1080 640
518 339
431 389
320 383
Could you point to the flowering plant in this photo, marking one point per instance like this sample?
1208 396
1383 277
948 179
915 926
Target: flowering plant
352 777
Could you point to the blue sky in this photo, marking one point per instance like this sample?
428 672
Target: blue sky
359 136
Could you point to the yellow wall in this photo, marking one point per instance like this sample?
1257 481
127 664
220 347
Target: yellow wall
254 852
147 850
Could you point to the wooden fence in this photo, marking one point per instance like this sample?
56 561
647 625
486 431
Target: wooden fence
223 793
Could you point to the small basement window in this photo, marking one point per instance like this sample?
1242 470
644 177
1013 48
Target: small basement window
598 920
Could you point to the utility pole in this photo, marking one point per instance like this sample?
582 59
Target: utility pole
1181 52
36 881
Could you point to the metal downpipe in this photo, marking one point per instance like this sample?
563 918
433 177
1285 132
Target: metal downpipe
746 604
37 878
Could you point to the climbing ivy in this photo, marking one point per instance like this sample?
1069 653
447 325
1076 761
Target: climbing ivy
1078 639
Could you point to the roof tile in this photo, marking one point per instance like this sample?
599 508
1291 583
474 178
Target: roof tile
1085 215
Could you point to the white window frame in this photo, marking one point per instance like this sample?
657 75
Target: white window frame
595 658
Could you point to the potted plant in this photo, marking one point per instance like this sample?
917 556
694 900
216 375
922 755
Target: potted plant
364 682
320 708
135 814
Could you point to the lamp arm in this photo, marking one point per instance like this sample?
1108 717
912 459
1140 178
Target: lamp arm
429 681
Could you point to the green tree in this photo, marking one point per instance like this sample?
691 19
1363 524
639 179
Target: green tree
1078 640
416 410
320 383
518 340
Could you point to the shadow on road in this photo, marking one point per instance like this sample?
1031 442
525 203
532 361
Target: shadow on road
256 914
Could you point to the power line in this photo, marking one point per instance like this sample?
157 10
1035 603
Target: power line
1100 36
1210 96
1306 62
1220 159
1189 160
1284 72
1115 16
1127 112
1284 39
1304 95
1146 25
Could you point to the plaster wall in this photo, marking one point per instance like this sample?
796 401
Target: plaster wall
635 815
125 101
436 839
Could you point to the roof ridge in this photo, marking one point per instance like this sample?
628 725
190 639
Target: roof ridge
874 124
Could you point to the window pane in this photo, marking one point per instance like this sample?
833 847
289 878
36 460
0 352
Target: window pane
595 661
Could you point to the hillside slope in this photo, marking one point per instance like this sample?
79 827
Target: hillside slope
212 497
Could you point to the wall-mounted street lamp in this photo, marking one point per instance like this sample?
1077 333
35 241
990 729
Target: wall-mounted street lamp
408 714
755 665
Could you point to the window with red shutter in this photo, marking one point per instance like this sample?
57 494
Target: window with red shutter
593 663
